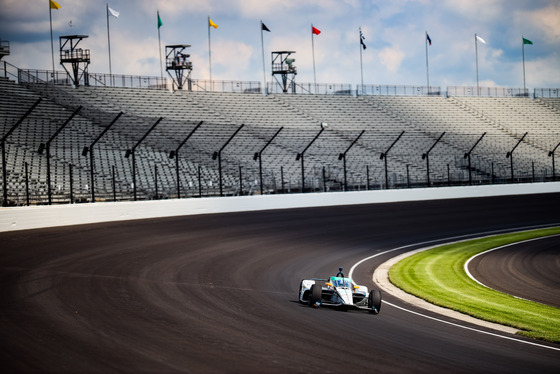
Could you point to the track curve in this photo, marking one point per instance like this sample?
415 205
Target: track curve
218 293
529 270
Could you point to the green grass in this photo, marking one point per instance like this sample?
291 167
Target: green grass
437 275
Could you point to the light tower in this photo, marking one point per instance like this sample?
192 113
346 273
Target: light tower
178 61
283 65
71 54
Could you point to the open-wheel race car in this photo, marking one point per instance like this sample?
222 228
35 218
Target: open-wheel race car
339 291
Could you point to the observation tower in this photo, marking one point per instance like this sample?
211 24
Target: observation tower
178 62
78 58
283 66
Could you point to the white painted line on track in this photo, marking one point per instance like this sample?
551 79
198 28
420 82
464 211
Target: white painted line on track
451 240
466 267
472 328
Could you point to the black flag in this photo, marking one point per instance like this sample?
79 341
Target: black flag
263 27
362 38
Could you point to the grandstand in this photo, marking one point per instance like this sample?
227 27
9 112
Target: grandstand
527 128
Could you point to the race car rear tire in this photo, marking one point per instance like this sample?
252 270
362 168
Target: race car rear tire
315 294
374 301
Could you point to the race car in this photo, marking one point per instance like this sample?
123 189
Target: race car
339 291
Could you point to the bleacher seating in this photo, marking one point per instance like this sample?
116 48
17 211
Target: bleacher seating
422 118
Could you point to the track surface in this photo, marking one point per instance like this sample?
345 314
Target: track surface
530 270
218 293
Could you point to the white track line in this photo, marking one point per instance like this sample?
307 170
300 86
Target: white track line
445 241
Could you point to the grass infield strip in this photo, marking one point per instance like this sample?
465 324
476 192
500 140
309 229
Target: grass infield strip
438 276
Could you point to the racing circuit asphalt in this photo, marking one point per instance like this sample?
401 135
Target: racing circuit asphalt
218 293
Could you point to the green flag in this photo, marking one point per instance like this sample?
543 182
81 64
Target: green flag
527 41
159 23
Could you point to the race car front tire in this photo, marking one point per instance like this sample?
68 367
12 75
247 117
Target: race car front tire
315 295
374 301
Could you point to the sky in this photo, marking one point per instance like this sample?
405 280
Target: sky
394 34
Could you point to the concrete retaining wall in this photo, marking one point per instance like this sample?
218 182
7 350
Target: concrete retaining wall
23 218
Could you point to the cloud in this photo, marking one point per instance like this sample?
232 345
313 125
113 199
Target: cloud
391 58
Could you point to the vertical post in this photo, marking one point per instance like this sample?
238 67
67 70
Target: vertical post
362 45
4 174
177 176
476 54
134 174
324 180
313 52
492 171
114 183
551 154
344 167
159 43
27 182
448 176
109 47
71 184
407 176
199 182
265 87
523 54
155 176
282 178
209 54
367 177
240 182
427 66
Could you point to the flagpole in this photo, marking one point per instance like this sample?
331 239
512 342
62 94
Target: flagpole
523 54
159 41
265 88
313 51
52 44
427 65
209 52
361 64
109 45
476 54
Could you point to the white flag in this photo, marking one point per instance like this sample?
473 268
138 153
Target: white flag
480 39
114 13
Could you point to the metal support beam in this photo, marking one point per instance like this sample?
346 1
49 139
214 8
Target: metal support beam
510 155
132 152
3 144
218 155
259 156
383 156
342 157
551 154
90 150
47 147
302 153
175 154
468 155
427 157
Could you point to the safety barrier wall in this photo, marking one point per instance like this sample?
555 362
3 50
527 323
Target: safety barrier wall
32 217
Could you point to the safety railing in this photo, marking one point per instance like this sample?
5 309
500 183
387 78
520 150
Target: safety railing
397 90
487 91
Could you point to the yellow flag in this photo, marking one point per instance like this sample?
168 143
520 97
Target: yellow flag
54 5
212 24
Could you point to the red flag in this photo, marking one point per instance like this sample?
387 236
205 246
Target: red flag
315 30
